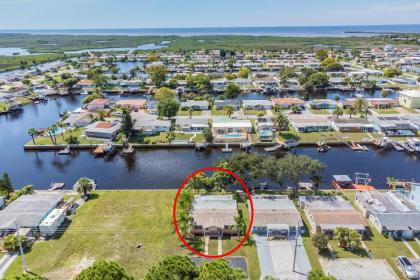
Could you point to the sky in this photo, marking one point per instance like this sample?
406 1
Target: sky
88 14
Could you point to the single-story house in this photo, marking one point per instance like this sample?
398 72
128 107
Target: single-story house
410 99
286 103
242 82
393 125
97 104
325 213
380 103
28 211
191 124
322 104
351 125
391 213
85 84
257 104
150 124
133 104
219 84
5 96
213 215
220 104
228 125
195 105
275 216
313 124
105 130
78 119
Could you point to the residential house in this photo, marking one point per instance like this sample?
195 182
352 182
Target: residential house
382 103
326 213
231 130
275 216
319 104
150 124
286 103
104 130
97 104
393 125
193 124
195 105
390 213
219 84
85 84
410 99
214 215
351 125
257 104
78 119
133 104
310 124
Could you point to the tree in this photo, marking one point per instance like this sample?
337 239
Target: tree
32 132
240 223
347 238
173 268
127 123
232 91
351 111
70 82
244 73
319 275
338 111
281 121
316 180
168 108
360 104
228 110
104 270
190 111
6 186
52 133
317 80
208 135
72 139
84 186
260 115
157 74
320 241
11 242
391 72
91 97
164 93
219 269
25 276
321 54
294 109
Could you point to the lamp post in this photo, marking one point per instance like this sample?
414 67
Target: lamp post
25 268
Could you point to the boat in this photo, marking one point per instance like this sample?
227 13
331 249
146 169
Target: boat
226 149
62 114
291 143
246 145
128 150
108 147
56 186
65 151
273 148
384 142
414 144
15 108
323 148
92 181
84 92
200 147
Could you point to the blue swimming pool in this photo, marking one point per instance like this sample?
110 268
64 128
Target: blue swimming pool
58 131
233 135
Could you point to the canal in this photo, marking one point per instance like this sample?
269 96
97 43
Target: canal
160 169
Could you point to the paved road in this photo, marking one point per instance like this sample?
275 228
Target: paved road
5 262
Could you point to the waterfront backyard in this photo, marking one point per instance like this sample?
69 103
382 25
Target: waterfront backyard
110 226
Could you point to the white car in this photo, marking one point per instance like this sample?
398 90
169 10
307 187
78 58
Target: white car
407 268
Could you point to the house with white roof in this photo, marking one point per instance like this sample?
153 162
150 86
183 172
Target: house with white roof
257 104
195 105
410 99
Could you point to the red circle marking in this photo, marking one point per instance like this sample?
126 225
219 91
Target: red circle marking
248 231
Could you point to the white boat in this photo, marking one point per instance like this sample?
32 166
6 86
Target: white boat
109 146
288 144
65 151
385 142
92 181
414 144
56 186
84 92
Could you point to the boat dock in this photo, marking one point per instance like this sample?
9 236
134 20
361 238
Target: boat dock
226 149
99 150
406 147
128 150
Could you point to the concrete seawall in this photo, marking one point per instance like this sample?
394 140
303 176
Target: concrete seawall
30 147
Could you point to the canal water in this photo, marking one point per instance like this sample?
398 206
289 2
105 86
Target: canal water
156 169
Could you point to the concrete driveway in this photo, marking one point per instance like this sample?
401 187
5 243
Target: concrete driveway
358 268
276 258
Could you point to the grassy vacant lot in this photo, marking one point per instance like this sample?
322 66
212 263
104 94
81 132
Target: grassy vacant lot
109 227
330 136
388 111
61 139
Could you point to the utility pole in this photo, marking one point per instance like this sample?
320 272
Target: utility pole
25 268
296 242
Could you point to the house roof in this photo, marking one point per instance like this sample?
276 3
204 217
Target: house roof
99 102
336 218
410 93
85 82
131 102
288 101
214 211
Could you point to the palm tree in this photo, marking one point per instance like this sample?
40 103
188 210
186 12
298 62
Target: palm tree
351 111
338 112
260 115
62 126
294 109
228 110
360 104
316 180
32 132
51 132
84 186
276 108
281 120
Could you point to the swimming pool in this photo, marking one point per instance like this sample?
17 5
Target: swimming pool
58 131
232 135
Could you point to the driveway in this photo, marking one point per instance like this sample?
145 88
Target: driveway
358 268
5 262
276 258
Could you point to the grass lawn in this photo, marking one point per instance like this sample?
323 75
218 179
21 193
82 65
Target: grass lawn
409 110
415 246
156 138
3 106
330 136
110 226
46 140
386 111
215 112
254 112
186 113
341 253
320 111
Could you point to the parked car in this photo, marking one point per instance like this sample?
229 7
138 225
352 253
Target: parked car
407 268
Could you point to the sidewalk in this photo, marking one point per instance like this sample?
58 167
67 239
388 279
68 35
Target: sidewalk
5 262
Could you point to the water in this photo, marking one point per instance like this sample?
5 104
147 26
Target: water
295 31
155 169
145 47
13 51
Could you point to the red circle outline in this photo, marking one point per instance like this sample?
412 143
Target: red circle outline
251 221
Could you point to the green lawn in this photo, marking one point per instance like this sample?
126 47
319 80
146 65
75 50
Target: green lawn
386 111
342 253
110 226
186 113
329 136
3 106
409 110
254 112
61 139
320 111
215 112
415 246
